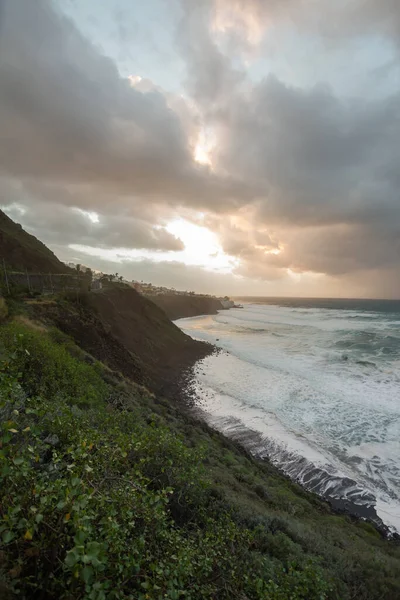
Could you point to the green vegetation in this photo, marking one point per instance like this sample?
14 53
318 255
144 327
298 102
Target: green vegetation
108 492
3 309
48 368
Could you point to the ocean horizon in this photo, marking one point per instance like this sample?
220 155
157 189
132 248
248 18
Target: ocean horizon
323 302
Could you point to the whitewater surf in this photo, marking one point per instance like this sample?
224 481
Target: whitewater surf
317 385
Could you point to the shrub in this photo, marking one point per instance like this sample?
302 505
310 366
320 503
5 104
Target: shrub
47 368
107 492
101 504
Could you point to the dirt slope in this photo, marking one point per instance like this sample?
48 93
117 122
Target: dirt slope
127 332
145 330
115 325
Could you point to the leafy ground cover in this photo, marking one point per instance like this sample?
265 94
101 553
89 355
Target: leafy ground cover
109 492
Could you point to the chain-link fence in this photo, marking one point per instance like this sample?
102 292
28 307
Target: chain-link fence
42 283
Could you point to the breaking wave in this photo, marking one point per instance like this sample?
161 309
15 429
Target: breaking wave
314 389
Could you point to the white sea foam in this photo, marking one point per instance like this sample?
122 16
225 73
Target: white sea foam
321 387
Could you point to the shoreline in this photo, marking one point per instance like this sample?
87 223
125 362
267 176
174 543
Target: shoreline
250 440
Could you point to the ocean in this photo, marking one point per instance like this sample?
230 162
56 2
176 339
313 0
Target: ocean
314 385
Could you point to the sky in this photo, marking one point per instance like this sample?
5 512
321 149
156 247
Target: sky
241 147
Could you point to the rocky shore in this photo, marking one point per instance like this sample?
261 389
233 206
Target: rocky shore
253 442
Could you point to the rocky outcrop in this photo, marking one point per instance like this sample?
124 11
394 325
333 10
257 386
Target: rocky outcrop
227 303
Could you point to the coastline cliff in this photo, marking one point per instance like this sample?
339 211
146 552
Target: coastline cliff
110 487
180 306
126 331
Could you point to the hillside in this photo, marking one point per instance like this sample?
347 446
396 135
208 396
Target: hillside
112 489
126 331
179 307
116 325
22 251
109 492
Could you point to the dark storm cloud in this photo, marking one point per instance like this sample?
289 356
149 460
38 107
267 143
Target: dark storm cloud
320 159
345 249
312 178
63 225
376 17
210 75
328 167
68 116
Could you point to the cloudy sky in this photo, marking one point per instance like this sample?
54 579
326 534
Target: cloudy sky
226 146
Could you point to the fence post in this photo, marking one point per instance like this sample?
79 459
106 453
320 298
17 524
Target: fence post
5 273
27 279
51 284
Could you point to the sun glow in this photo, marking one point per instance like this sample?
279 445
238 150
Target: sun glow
134 79
91 215
204 147
202 249
201 156
202 246
236 16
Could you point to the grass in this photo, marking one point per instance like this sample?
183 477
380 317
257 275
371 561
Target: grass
107 491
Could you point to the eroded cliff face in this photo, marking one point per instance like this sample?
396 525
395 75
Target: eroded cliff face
127 332
179 307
